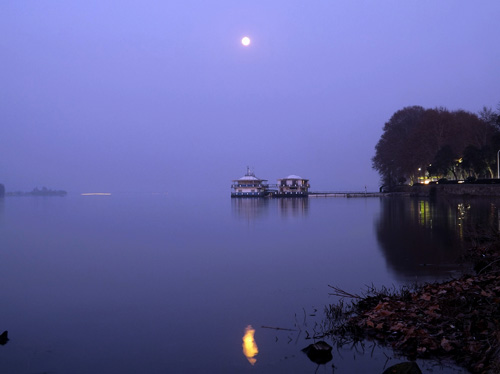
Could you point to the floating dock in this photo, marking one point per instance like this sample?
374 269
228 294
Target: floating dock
346 194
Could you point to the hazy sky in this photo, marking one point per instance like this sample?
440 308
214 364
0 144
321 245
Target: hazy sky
161 95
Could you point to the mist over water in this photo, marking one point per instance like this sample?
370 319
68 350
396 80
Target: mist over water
157 283
120 100
161 96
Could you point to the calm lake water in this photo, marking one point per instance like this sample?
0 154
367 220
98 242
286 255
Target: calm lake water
140 283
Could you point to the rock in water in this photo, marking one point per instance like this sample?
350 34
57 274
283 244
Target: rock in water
319 353
404 368
4 338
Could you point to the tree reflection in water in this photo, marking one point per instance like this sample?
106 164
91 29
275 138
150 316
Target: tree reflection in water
424 239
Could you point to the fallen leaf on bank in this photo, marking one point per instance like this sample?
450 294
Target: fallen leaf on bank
432 314
426 297
385 313
421 349
398 326
445 344
379 306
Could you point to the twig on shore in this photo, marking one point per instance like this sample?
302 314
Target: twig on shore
277 328
341 293
487 266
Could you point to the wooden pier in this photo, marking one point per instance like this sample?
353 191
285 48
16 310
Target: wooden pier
345 194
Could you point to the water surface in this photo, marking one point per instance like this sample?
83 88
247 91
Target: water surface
136 283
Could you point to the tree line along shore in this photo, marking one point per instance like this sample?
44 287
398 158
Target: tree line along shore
44 191
422 145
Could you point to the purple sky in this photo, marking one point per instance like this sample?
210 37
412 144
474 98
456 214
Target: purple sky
161 95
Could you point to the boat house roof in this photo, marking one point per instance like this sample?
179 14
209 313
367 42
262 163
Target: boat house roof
249 176
293 176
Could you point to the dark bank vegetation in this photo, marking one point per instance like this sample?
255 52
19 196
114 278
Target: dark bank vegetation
457 320
420 143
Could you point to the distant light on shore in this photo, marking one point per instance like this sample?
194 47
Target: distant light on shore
96 194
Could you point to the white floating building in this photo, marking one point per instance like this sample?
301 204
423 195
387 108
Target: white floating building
249 186
293 185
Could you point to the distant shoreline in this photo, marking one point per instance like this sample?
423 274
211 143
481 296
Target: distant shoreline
37 192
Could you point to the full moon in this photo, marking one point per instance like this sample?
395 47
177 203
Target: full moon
245 41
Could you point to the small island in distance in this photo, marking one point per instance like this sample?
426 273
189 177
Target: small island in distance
44 191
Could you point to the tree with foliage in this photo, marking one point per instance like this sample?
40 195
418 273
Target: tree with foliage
488 115
394 159
475 162
444 162
454 144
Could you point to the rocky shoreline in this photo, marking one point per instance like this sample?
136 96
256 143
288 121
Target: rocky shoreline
457 320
